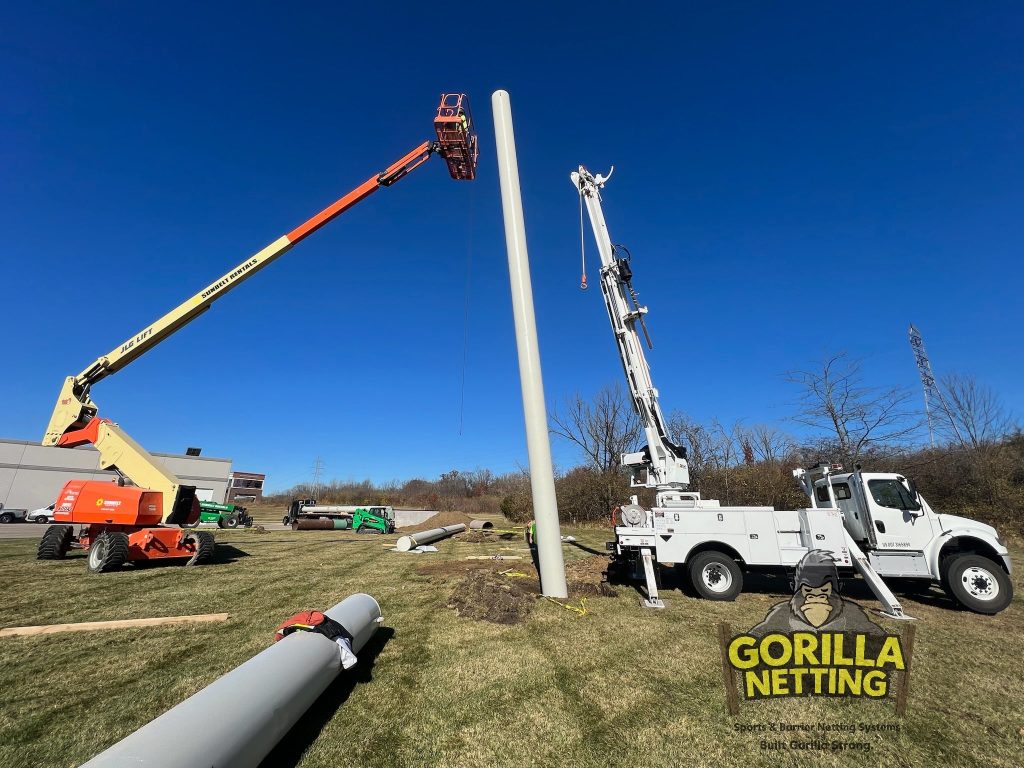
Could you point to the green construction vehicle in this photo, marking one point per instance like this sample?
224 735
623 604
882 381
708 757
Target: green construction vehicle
224 515
380 519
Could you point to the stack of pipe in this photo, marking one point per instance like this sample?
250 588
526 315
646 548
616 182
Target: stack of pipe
414 540
253 705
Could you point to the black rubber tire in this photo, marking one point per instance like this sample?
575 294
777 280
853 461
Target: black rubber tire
42 520
361 528
979 584
723 572
55 543
285 520
231 521
107 552
206 545
6 517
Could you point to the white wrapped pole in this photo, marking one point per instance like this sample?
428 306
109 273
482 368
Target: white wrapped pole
414 540
538 444
253 705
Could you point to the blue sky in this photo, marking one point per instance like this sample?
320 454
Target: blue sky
793 180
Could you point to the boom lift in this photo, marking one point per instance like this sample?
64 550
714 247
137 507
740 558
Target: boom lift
874 523
122 523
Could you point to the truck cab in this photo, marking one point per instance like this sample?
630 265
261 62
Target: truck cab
903 537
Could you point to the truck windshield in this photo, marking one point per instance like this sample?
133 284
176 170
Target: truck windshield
892 493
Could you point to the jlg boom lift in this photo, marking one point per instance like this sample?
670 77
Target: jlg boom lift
874 523
143 521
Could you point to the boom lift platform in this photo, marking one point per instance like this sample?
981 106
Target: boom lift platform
143 515
876 524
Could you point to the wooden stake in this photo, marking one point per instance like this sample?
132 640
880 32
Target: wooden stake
90 626
731 698
908 653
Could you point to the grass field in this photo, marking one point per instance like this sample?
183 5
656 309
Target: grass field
617 686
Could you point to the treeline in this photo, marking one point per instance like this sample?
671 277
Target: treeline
968 459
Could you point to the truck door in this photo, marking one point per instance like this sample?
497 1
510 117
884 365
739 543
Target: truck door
852 517
895 516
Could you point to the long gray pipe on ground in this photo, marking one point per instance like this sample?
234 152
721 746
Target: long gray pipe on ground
480 525
323 524
239 718
414 540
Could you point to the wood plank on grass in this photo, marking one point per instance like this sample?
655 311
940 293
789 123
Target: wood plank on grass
91 626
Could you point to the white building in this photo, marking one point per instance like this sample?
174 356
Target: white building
32 475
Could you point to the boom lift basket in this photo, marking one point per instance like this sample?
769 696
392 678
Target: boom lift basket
456 137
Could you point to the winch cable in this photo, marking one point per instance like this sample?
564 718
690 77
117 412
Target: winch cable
583 249
465 309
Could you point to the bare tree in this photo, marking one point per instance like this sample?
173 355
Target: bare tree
974 413
603 430
770 444
835 400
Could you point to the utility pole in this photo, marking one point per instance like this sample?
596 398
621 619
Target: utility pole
538 441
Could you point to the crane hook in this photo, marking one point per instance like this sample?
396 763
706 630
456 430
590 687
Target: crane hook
583 282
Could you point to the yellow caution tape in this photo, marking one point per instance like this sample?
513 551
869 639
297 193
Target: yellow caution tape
515 575
581 610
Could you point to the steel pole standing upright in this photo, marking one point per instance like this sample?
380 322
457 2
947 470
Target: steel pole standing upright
542 478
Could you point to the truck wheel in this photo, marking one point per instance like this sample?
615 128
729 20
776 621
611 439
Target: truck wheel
716 576
55 543
6 517
108 552
205 545
231 521
43 520
979 584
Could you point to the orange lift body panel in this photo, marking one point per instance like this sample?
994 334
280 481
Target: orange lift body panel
95 501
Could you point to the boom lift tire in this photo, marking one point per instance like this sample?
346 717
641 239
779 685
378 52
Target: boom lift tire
55 543
205 546
108 552
978 584
716 576
231 521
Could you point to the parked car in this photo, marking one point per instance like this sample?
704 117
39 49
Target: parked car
41 515
8 515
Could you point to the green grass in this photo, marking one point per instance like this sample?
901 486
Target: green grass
619 686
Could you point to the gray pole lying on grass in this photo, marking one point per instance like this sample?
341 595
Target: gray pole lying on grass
414 540
239 718
538 443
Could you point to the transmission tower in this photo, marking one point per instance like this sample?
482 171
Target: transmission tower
318 466
933 398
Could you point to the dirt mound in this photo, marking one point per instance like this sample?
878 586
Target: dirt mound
586 576
487 596
440 520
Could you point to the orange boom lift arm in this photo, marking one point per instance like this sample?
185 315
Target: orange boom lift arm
158 496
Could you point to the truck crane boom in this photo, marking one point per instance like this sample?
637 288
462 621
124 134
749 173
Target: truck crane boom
661 464
74 421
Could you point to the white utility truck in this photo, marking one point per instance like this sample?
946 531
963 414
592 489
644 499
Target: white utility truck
874 523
